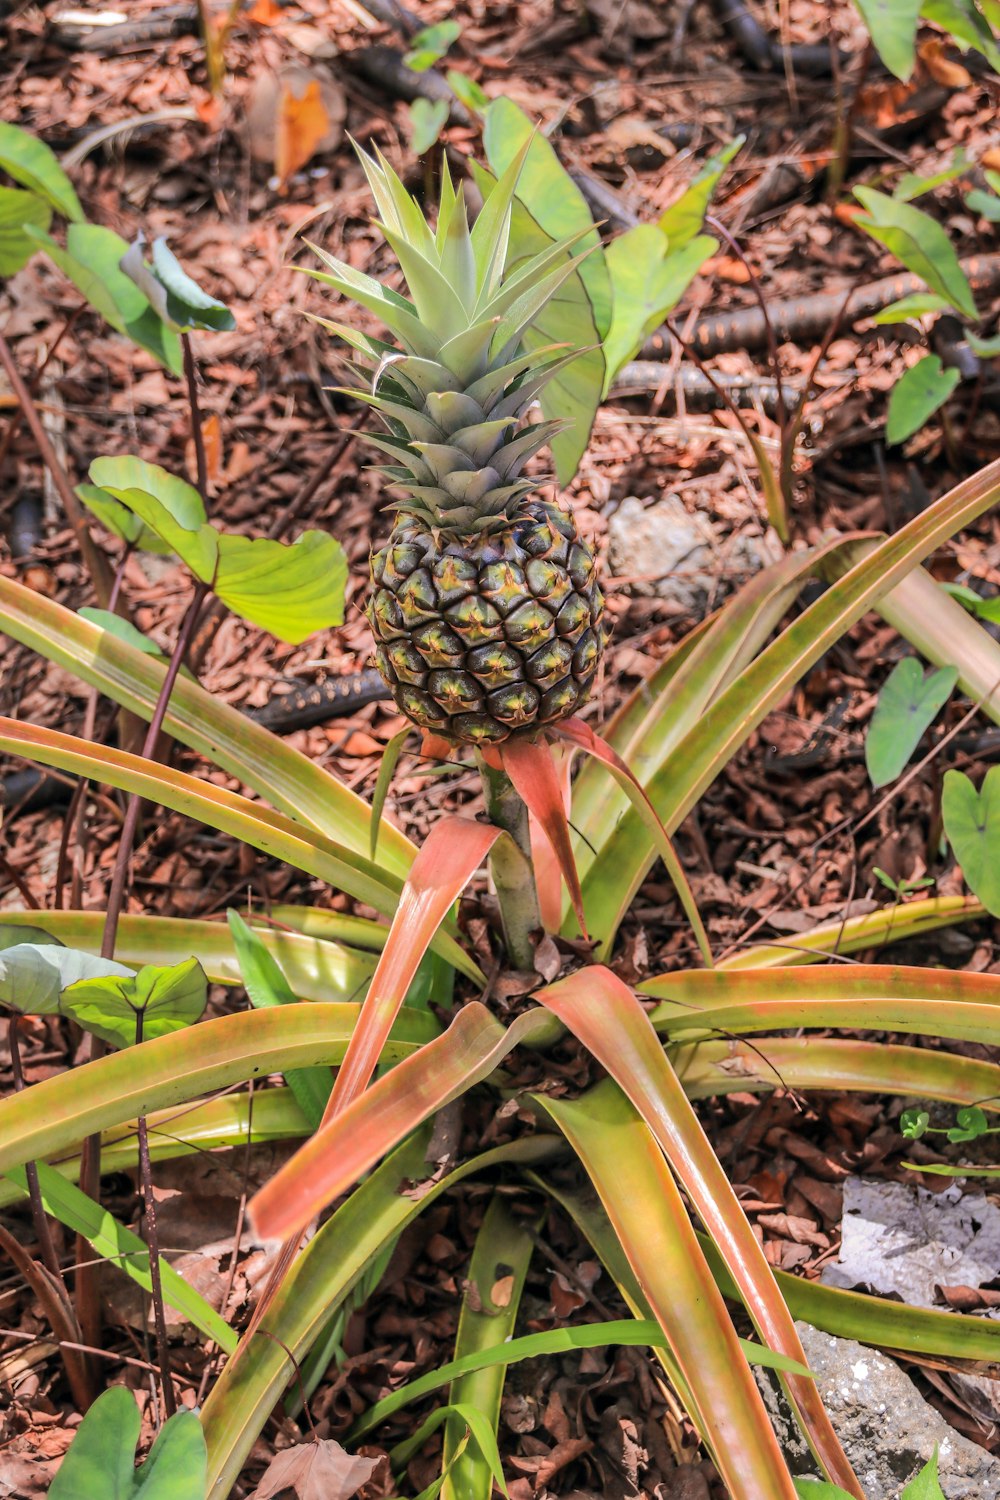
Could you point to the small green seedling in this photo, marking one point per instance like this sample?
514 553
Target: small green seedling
902 888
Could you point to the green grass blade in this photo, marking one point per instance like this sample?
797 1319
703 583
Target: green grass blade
124 1249
501 1258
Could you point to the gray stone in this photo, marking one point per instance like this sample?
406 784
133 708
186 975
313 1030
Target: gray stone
906 1241
675 555
888 1430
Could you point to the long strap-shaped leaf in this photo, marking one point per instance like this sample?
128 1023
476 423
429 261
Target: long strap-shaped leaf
708 1068
56 1114
605 1015
890 924
535 778
645 1207
661 710
260 759
866 997
500 1258
453 851
255 824
335 1258
693 765
576 732
377 1120
315 968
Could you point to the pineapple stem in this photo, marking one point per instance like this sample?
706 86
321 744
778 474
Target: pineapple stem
511 867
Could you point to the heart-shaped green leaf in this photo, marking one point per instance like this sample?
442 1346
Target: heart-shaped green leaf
18 209
289 588
170 507
31 163
178 300
166 999
907 705
91 261
101 1458
892 26
972 827
119 520
649 280
34 975
920 243
917 395
684 219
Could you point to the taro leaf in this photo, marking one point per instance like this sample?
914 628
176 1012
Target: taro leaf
169 506
178 300
91 261
918 240
985 348
908 703
972 827
123 629
964 21
911 185
101 1458
819 1489
917 305
684 219
926 1486
467 91
917 395
428 117
266 985
986 204
649 280
430 45
550 195
892 26
574 393
34 975
165 998
120 520
31 163
291 589
18 208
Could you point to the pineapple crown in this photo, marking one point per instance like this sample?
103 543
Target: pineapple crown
453 392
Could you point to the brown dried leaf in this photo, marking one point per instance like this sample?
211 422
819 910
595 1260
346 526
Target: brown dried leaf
322 1470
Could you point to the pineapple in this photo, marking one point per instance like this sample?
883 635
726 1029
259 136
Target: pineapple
485 606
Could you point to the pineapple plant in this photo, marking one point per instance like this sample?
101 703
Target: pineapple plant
485 606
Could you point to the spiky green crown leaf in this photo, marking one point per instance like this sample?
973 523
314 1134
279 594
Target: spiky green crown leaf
453 389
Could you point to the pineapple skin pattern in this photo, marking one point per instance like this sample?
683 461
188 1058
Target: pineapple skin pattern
485 606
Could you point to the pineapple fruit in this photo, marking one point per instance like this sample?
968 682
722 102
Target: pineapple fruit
485 606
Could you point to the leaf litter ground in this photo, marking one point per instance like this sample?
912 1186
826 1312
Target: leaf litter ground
772 848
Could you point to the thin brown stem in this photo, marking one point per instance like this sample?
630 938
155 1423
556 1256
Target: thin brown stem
153 1245
96 562
718 227
197 433
14 425
43 1229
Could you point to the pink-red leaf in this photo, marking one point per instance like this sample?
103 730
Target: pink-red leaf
453 851
605 1015
576 732
377 1120
532 771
